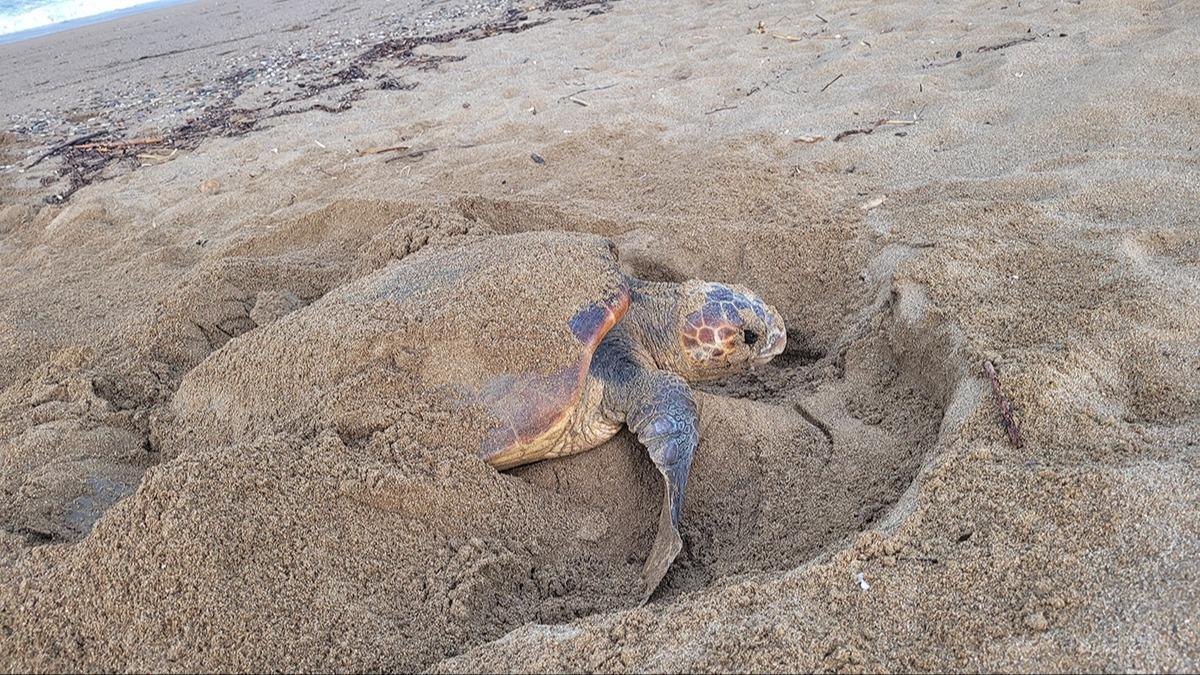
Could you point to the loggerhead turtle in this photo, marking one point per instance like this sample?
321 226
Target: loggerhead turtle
639 348
558 356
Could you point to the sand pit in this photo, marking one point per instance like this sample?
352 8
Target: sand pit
212 458
833 440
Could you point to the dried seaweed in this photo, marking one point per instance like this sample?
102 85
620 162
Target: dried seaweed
83 165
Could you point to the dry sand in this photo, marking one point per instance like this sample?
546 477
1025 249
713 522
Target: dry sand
1032 199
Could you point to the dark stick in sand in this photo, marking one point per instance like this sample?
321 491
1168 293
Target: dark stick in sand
64 145
415 154
116 145
827 84
1006 45
874 125
380 151
864 130
1010 424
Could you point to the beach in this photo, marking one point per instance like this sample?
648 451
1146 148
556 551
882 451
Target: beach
209 463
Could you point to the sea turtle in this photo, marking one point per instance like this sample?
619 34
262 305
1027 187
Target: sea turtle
638 348
541 332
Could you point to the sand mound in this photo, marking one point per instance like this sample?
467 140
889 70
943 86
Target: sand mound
256 279
431 332
296 430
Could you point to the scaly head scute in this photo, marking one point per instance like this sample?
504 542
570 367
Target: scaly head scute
726 329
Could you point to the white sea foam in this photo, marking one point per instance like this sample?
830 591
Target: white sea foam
22 15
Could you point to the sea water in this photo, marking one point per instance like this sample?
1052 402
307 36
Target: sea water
28 18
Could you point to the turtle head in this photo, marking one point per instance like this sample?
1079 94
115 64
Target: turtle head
725 329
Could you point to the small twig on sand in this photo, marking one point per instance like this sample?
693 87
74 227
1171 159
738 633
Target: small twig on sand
415 154
717 110
578 101
864 130
789 38
377 151
64 145
1005 45
830 83
872 127
823 19
115 145
1010 424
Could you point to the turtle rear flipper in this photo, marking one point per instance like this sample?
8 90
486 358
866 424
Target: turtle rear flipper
666 421
667 542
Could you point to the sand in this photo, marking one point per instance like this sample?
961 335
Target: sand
173 498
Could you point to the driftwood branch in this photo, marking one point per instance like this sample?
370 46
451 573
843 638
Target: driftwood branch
64 145
1010 423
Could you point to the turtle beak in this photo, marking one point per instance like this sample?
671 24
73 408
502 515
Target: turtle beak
775 341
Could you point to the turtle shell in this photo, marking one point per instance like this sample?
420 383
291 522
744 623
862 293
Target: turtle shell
504 324
517 319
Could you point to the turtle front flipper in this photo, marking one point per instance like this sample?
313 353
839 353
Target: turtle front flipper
666 421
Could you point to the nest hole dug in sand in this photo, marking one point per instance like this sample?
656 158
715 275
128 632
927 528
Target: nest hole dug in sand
794 460
313 461
797 456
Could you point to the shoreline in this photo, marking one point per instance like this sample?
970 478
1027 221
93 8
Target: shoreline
275 82
64 26
141 75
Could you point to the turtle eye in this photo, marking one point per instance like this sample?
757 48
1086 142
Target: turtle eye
749 337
